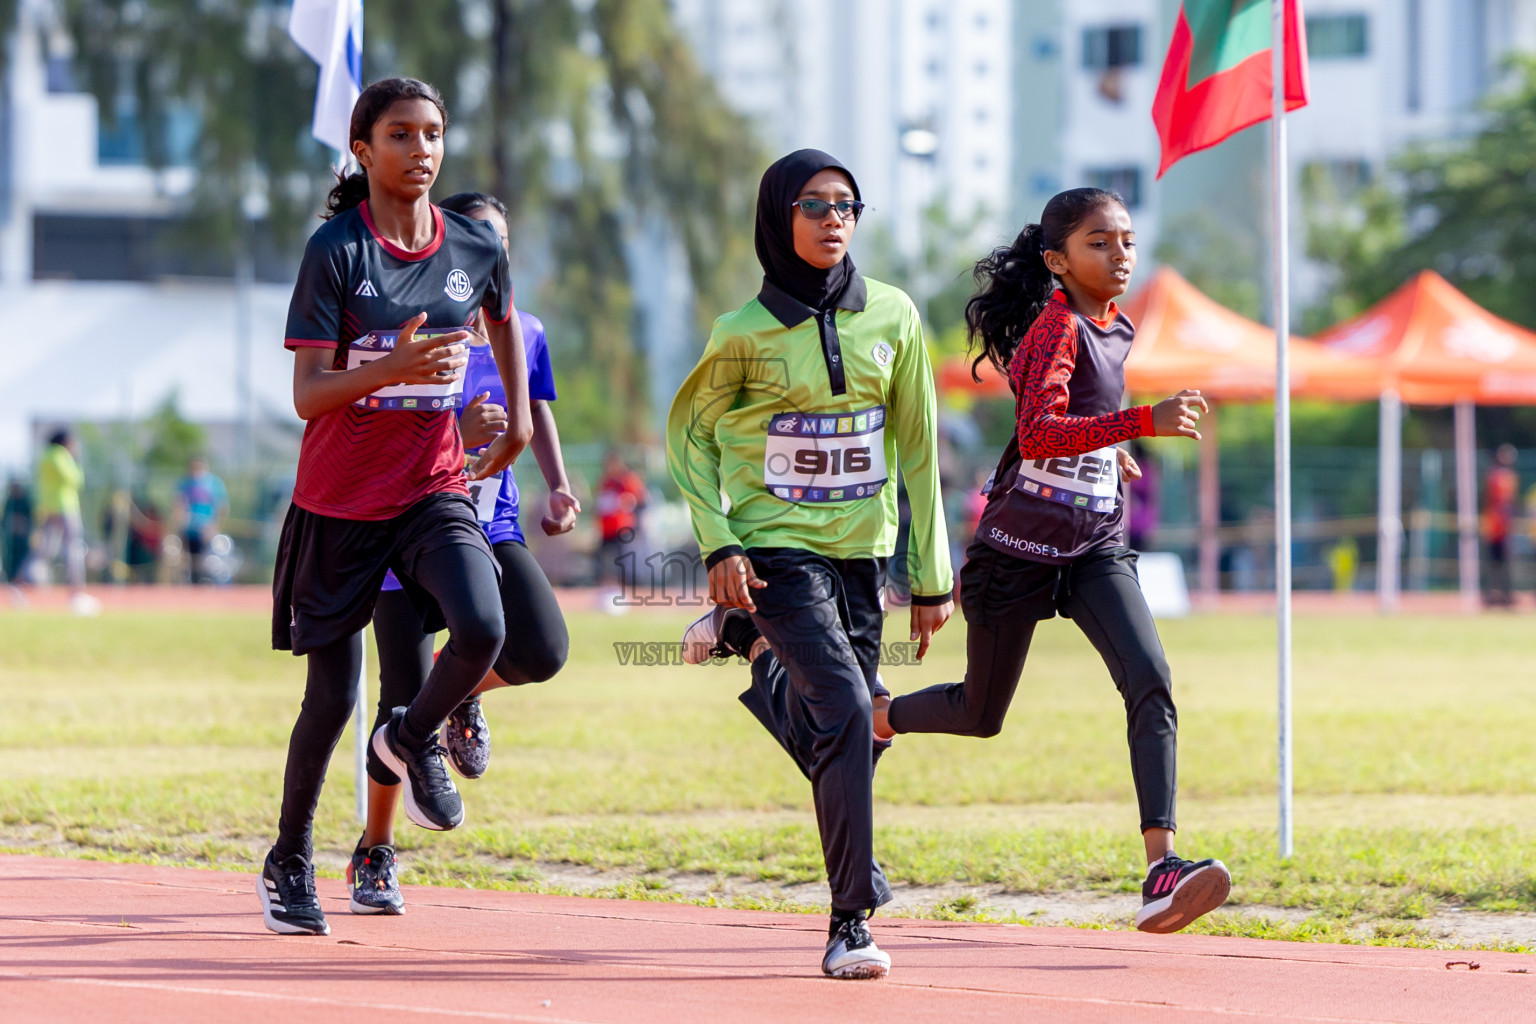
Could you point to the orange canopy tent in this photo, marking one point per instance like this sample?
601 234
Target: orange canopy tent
1435 346
1186 340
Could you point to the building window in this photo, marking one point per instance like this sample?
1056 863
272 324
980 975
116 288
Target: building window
1124 180
1344 177
1337 35
1112 46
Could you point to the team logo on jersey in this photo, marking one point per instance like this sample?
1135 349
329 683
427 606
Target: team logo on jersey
883 354
366 290
458 286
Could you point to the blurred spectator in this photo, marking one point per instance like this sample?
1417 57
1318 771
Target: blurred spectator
1145 511
60 528
146 541
114 536
1501 491
621 497
203 502
17 517
1344 564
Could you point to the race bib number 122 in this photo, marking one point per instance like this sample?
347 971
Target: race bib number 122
826 458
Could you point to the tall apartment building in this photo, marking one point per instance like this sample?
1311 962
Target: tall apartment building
914 95
1384 74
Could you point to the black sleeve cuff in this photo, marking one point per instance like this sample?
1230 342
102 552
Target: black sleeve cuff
928 600
721 554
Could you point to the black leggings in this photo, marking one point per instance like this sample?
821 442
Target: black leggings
463 582
1004 597
535 648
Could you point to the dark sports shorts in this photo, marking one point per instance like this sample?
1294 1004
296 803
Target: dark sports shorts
329 570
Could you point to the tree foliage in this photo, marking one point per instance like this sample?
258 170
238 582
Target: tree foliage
582 115
1466 209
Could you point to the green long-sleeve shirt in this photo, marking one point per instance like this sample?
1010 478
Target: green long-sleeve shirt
758 423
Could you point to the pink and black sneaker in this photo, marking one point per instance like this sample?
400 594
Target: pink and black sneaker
1177 892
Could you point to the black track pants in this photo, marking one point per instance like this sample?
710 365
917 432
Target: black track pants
462 580
535 648
1004 598
822 619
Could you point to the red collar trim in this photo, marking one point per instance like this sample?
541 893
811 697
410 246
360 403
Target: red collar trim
406 254
1114 310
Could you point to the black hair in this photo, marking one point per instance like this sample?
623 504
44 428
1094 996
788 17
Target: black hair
467 203
351 189
1014 282
59 437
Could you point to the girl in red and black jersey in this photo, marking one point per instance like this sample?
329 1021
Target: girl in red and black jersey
387 291
1052 537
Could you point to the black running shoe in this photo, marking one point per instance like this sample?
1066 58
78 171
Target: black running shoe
468 740
1178 892
375 888
288 902
852 954
431 800
704 639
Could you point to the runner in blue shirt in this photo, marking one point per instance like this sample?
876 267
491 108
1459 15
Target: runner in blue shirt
537 642
204 503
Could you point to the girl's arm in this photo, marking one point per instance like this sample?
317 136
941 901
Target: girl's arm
1038 375
318 389
563 505
914 418
512 364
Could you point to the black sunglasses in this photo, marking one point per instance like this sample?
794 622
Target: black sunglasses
816 209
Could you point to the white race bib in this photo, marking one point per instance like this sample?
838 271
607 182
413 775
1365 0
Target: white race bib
484 494
1090 481
409 397
826 458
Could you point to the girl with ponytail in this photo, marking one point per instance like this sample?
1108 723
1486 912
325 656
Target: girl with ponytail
1052 537
390 289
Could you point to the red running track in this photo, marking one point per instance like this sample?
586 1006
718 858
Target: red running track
85 941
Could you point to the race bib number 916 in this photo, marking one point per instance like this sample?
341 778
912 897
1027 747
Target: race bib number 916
1090 481
407 397
826 458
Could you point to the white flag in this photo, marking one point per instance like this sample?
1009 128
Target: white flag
331 32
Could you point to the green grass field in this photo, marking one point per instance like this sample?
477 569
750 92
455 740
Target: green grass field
162 737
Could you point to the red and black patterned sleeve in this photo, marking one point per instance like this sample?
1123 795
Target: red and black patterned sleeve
1038 374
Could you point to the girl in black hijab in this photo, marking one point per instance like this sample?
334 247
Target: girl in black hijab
803 405
781 186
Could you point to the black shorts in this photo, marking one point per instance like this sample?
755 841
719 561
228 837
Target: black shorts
329 570
195 545
999 587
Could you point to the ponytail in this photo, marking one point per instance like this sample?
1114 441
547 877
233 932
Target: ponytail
351 190
1014 284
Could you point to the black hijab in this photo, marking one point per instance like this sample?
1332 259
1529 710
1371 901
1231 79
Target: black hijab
775 238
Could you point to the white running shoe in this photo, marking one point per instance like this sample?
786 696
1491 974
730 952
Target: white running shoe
852 954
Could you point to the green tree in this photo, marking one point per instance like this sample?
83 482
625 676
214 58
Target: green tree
1221 260
581 115
1466 208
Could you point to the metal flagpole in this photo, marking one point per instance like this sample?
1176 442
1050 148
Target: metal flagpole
360 731
1282 299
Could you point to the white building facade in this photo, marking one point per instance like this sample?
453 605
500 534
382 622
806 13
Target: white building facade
1384 74
915 96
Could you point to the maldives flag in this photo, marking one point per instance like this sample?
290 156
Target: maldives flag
1217 77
